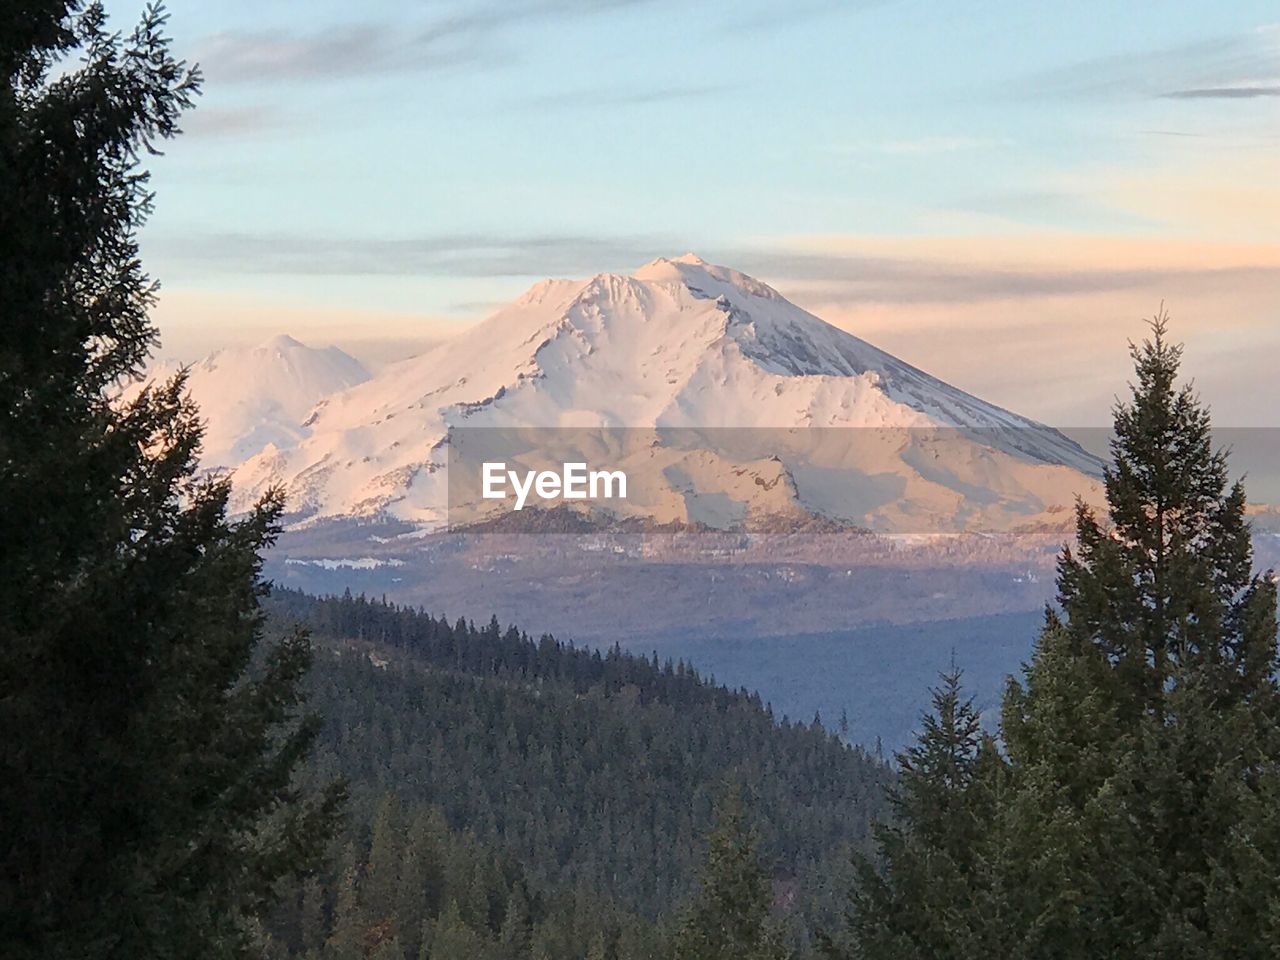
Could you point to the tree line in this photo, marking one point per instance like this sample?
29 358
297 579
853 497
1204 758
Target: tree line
592 771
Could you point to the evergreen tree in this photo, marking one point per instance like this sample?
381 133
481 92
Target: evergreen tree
418 892
1133 813
454 939
149 742
517 927
729 917
1145 742
917 901
379 892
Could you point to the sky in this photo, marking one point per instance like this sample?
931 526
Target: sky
998 193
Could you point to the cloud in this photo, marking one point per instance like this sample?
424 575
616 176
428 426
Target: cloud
350 50
1038 322
924 146
865 277
771 15
227 122
573 99
448 255
1212 68
374 48
1174 133
888 280
1224 93
466 36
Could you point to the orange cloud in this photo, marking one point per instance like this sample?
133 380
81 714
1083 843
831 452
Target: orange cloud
1041 321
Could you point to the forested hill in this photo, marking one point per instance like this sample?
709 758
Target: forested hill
579 784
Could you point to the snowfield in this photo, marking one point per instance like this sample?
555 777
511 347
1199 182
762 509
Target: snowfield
254 397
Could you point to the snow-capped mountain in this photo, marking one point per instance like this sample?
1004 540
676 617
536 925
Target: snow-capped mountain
252 397
675 353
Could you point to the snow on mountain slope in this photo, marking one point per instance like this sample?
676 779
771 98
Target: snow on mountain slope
677 351
251 397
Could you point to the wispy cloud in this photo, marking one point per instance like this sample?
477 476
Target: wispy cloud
448 255
1037 322
922 146
869 278
574 99
350 50
469 34
1214 68
232 122
782 14
464 36
1245 92
898 280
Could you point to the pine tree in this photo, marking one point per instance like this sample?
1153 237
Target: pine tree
349 933
379 893
454 939
1145 743
729 916
418 892
517 926
150 740
129 613
917 901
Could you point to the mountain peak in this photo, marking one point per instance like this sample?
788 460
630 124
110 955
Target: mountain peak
259 395
703 277
281 341
666 267
690 258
